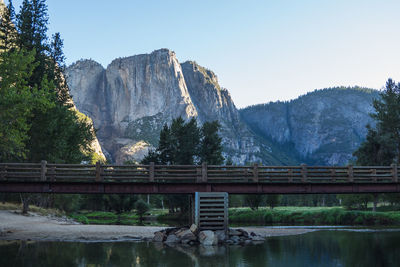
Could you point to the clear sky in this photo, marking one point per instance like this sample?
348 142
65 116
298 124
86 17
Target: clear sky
261 50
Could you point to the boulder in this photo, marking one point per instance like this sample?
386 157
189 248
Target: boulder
172 239
257 238
235 239
221 235
234 232
186 235
193 228
244 233
208 238
159 237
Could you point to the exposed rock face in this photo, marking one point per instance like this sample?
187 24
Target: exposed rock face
131 100
324 126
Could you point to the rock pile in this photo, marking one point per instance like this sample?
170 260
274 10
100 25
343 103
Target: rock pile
192 236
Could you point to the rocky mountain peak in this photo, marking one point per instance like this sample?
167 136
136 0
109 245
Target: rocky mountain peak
133 97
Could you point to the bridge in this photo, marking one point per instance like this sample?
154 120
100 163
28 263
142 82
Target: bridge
98 178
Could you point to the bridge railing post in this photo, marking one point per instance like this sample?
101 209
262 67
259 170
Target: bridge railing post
204 172
395 177
350 172
303 173
151 172
333 175
3 173
255 172
99 177
43 170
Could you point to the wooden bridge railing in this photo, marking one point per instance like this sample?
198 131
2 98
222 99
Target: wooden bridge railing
196 173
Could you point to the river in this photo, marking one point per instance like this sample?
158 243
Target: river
328 247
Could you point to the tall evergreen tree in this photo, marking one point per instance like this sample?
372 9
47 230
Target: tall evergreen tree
8 33
57 68
164 146
210 147
32 21
382 145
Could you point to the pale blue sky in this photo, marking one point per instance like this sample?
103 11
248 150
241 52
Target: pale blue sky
261 50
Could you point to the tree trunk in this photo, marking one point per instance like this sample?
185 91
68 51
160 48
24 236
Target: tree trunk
375 202
25 203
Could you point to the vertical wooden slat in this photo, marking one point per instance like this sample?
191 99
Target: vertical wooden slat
333 175
395 177
204 172
303 173
255 172
151 172
43 170
350 173
99 177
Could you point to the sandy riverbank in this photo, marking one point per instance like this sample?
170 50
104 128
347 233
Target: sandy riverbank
14 226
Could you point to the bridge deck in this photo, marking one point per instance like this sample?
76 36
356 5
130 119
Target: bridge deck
160 179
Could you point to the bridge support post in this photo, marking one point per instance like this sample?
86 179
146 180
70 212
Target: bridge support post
211 210
394 173
43 170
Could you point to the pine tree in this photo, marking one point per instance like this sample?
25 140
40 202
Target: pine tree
57 68
382 145
164 146
210 147
8 33
32 21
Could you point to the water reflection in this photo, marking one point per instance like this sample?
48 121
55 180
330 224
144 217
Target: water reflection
322 248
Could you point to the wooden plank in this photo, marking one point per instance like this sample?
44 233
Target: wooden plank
202 223
70 165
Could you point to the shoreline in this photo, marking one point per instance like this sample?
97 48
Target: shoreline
33 227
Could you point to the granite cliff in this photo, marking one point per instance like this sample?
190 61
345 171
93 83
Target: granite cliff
133 97
323 127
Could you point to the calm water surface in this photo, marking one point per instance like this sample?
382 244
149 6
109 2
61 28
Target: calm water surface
321 248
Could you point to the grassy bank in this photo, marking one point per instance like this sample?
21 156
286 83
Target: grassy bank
103 217
313 216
